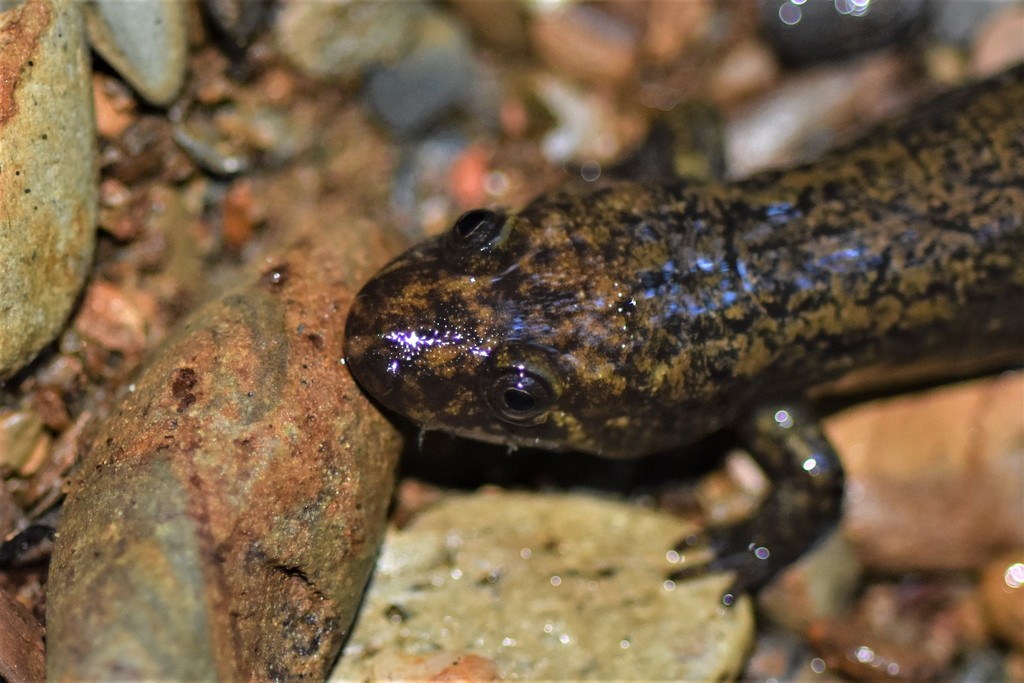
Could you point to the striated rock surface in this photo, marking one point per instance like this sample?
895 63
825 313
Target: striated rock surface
227 516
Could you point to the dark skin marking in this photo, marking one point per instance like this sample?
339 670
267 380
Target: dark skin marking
636 318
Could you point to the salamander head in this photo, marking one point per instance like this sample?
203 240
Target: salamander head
508 329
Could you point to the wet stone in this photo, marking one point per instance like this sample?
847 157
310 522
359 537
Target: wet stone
567 587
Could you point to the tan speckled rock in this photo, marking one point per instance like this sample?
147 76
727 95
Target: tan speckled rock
548 587
47 174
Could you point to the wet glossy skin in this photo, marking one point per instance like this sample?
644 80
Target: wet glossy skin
637 318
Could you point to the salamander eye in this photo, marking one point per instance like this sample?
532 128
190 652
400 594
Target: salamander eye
520 396
477 230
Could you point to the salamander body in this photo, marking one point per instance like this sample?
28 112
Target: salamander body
634 318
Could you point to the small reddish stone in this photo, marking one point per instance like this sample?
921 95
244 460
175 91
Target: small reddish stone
468 668
115 107
112 319
50 405
237 214
467 177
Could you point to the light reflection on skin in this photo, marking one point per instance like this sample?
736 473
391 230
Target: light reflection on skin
413 343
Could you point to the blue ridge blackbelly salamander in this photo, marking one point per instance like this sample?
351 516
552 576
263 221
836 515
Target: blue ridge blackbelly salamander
635 318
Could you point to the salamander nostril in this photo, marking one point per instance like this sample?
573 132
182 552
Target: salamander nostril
374 368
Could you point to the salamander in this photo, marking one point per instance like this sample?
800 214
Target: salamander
634 318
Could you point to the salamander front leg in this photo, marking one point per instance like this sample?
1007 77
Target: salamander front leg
804 503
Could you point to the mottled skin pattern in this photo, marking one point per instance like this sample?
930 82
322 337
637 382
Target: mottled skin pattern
636 318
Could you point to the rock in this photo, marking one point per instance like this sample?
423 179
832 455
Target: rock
673 26
958 22
542 587
935 479
585 122
797 121
339 40
1002 595
48 188
585 42
910 631
811 31
999 43
21 643
748 68
115 106
115 318
145 42
435 76
500 23
225 519
19 432
820 584
238 21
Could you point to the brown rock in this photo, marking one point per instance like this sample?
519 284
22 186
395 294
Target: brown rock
671 26
898 632
113 318
115 107
749 68
586 43
1002 594
820 584
500 23
798 120
935 479
238 214
227 516
1000 42
21 643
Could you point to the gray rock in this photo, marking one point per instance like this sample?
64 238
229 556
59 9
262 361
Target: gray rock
434 77
958 22
339 40
48 183
534 586
146 43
